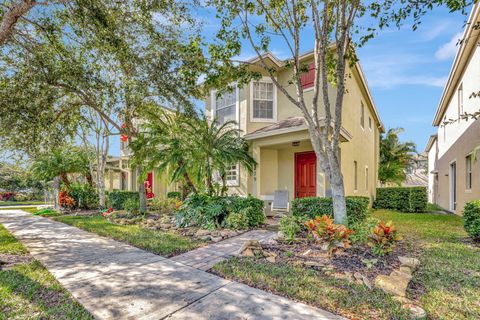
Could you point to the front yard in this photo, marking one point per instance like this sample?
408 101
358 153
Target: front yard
28 290
159 242
446 285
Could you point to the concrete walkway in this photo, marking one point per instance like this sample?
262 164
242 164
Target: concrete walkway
206 257
117 281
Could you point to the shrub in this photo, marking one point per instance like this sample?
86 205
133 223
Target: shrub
333 236
65 201
174 195
7 196
471 219
362 230
211 212
253 207
237 220
84 195
290 226
132 206
357 208
117 198
383 239
165 206
405 199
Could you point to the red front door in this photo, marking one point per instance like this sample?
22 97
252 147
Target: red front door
305 174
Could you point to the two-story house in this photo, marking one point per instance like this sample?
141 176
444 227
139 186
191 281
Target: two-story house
280 142
452 165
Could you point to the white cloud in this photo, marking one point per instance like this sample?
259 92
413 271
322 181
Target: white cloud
449 49
387 71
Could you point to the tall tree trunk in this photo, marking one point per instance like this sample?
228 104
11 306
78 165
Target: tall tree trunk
338 197
11 16
64 177
141 190
56 191
89 178
101 193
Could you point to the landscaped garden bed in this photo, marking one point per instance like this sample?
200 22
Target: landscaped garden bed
444 281
28 290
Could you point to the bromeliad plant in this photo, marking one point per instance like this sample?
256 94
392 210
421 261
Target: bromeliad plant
332 236
383 239
107 212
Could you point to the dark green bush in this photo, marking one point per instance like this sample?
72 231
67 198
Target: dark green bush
85 196
174 195
471 219
357 207
117 198
405 199
210 212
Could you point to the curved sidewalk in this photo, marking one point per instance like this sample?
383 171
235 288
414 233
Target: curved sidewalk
116 281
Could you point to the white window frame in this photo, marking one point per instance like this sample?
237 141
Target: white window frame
274 119
236 182
213 97
468 174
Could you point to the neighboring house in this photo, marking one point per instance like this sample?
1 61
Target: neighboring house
454 172
416 172
156 184
280 142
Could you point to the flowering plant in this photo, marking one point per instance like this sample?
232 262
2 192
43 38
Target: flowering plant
65 200
107 212
333 236
383 238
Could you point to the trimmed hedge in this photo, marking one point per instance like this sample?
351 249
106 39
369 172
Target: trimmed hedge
357 207
405 199
471 219
117 198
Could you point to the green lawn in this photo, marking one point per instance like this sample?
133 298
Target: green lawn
31 210
447 283
20 203
29 291
159 242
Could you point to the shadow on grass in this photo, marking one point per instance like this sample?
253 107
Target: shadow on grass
28 291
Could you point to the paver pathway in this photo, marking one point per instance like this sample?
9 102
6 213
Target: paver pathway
204 258
116 281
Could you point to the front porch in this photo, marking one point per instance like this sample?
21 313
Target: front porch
287 162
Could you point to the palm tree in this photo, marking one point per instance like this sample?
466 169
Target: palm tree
162 144
217 147
191 149
57 164
394 157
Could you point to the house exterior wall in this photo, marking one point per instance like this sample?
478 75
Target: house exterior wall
457 153
276 164
456 140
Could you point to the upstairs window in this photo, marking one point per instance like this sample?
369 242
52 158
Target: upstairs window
226 106
370 122
308 79
468 172
263 101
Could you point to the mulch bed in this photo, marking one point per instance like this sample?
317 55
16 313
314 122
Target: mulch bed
351 260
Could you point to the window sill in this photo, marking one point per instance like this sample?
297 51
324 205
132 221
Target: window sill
262 120
468 190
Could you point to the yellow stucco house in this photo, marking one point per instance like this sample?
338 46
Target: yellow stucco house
280 142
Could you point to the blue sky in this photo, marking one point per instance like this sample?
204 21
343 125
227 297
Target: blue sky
405 69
